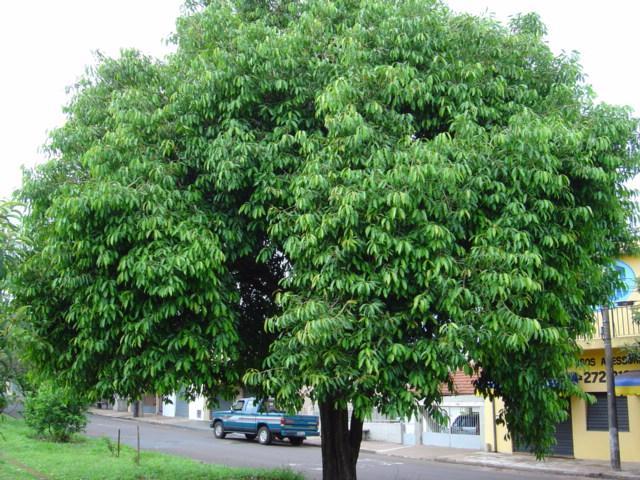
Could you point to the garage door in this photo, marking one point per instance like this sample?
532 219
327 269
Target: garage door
182 407
564 440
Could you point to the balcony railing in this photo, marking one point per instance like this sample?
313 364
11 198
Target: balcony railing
624 320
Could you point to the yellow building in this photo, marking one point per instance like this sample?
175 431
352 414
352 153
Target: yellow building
585 435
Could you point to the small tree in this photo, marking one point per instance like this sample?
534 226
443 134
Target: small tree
55 413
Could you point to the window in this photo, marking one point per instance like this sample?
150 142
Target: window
597 419
236 407
252 406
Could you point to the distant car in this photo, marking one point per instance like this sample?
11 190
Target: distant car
467 424
265 421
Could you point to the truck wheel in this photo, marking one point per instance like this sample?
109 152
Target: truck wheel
218 430
250 436
264 435
297 441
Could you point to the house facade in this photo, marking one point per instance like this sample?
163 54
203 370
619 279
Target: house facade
585 435
590 433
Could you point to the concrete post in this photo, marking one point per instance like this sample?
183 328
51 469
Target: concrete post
614 442
135 409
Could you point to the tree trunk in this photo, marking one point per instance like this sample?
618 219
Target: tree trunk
340 444
158 404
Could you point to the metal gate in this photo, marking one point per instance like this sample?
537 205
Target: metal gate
462 428
149 404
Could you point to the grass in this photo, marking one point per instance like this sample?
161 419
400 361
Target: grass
24 457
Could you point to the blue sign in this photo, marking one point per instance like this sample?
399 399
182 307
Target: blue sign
628 278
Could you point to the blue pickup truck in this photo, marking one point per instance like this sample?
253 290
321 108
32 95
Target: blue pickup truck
263 420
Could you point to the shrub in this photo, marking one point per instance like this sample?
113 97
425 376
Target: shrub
55 413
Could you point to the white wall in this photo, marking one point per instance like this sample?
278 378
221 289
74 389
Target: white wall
384 431
198 404
169 409
120 405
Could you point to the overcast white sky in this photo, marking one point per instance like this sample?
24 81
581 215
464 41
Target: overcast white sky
46 44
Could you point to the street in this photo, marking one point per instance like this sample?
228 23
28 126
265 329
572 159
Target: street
236 451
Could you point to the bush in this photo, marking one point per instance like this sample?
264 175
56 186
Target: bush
55 413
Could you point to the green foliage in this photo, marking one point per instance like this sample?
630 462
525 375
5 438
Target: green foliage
132 279
55 413
455 209
433 191
9 220
11 371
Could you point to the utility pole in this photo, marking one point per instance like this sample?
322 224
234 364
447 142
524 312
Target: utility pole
614 442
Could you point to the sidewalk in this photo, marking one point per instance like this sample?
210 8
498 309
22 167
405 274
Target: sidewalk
553 465
179 422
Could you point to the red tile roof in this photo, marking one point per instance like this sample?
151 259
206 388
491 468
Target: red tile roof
462 384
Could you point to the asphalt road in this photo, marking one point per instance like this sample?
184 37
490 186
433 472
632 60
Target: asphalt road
236 451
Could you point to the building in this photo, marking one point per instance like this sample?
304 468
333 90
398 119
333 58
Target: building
585 435
589 426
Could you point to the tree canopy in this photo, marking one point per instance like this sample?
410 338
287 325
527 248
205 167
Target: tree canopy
398 190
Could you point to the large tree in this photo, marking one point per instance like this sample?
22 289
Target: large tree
425 191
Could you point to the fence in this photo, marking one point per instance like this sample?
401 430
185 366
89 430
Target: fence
462 428
624 321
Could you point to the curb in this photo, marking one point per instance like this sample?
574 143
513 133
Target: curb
362 450
526 468
370 450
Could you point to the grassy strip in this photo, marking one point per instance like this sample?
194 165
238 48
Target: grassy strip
88 458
